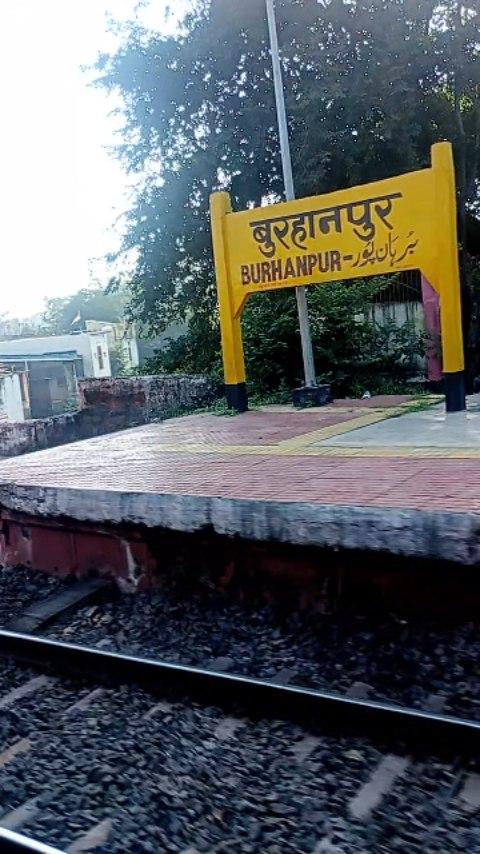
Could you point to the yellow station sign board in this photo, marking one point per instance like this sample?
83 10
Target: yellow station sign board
401 223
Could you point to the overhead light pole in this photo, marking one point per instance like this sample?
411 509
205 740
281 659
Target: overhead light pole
304 323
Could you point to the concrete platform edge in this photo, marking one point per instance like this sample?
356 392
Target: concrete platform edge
408 532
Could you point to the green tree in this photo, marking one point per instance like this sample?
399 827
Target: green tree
370 86
65 314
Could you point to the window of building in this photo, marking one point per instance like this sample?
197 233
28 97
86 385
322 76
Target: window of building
100 356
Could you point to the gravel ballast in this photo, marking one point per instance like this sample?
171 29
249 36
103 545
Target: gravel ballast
149 774
180 777
382 655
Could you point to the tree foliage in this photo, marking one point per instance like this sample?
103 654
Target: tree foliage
353 351
65 314
370 85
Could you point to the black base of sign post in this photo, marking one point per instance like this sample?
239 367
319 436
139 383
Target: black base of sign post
318 395
237 397
455 392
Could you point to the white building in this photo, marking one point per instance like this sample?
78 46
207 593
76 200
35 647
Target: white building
122 340
51 367
14 402
91 348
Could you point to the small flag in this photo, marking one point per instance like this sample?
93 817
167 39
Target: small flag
76 319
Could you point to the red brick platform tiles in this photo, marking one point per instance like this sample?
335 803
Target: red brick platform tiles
265 476
243 457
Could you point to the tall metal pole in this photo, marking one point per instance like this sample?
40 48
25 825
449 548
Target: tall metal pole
304 323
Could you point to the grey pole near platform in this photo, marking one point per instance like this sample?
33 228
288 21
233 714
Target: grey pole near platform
304 323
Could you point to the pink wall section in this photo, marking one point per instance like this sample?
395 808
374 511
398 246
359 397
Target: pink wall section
431 308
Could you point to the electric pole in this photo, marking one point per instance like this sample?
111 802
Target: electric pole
304 323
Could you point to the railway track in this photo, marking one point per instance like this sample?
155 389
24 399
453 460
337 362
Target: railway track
17 843
256 696
338 716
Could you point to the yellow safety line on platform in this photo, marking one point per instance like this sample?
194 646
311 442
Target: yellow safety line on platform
336 429
370 416
325 451
306 443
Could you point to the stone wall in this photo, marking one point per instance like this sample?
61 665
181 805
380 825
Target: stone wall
117 403
107 405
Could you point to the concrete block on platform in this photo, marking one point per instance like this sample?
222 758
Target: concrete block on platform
305 396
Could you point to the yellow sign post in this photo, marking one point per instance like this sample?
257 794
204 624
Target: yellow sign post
401 223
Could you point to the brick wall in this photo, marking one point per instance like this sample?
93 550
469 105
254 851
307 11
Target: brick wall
107 405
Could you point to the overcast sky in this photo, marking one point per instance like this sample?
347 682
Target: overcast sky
60 190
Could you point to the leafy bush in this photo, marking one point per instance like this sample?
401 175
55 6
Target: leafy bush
351 350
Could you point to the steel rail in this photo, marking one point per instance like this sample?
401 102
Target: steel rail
16 843
259 697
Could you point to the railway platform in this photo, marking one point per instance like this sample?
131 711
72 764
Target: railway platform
388 474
